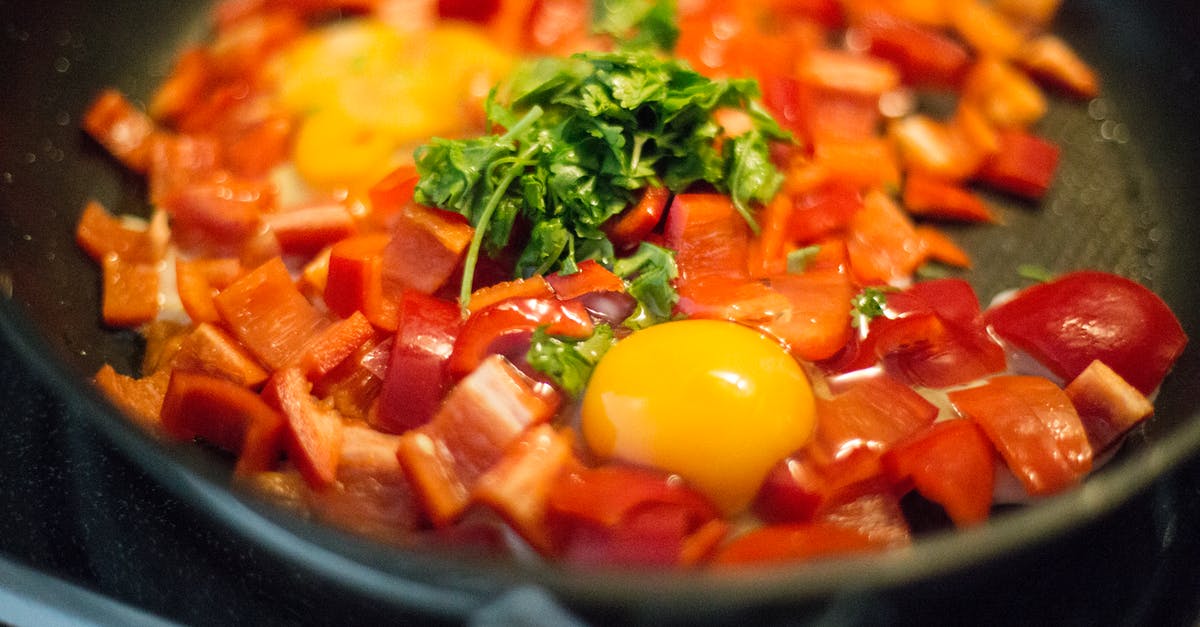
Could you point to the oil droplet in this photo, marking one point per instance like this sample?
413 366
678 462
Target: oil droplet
62 64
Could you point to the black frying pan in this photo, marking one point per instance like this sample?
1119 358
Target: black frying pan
1124 201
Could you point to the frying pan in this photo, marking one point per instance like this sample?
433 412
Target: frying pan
1124 201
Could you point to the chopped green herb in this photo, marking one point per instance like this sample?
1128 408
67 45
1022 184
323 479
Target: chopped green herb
585 135
637 23
868 305
798 260
568 361
648 273
1034 272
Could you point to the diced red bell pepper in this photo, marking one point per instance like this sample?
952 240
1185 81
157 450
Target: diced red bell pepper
932 148
129 292
795 542
873 413
101 234
630 227
253 151
225 414
985 29
210 350
518 486
1108 405
514 319
199 280
1069 322
591 277
1049 59
314 433
371 496
471 10
708 236
862 163
883 244
218 213
121 128
425 335
354 281
627 516
534 287
921 349
306 230
1006 96
353 386
1025 165
767 254
426 248
809 482
941 248
832 116
823 211
177 161
140 399
848 72
482 415
1034 426
870 507
817 323
924 55
391 194
183 86
334 344
951 463
266 312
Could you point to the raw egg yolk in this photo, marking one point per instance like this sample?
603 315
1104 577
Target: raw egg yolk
714 402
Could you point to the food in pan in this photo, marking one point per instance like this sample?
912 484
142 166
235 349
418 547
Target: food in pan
614 283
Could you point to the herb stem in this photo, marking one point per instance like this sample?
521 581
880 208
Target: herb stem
485 218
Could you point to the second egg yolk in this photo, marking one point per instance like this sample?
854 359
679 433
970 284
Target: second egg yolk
714 402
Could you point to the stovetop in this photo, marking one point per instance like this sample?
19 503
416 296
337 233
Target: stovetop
86 536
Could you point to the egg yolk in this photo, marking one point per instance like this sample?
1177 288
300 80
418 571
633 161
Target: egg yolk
714 402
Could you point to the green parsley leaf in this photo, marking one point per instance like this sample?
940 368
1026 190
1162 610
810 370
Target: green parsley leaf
568 361
798 260
868 305
648 273
1034 272
637 23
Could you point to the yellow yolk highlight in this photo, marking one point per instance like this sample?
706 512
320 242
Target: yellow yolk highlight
367 94
714 402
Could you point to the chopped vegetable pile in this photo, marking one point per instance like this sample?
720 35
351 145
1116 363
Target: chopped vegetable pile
629 283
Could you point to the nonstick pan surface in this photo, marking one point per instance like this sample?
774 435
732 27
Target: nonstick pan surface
1124 200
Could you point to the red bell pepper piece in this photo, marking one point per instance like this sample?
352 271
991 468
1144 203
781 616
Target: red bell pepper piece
795 542
817 322
513 320
1108 405
883 244
941 248
873 413
417 379
923 350
225 414
1025 165
1081 317
371 496
924 56
823 211
101 234
140 399
129 292
1034 426
482 415
708 236
391 194
123 129
533 287
199 280
591 277
313 437
930 197
629 228
426 248
306 230
333 345
266 312
628 516
518 486
951 463
210 350
354 281
809 482
177 161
